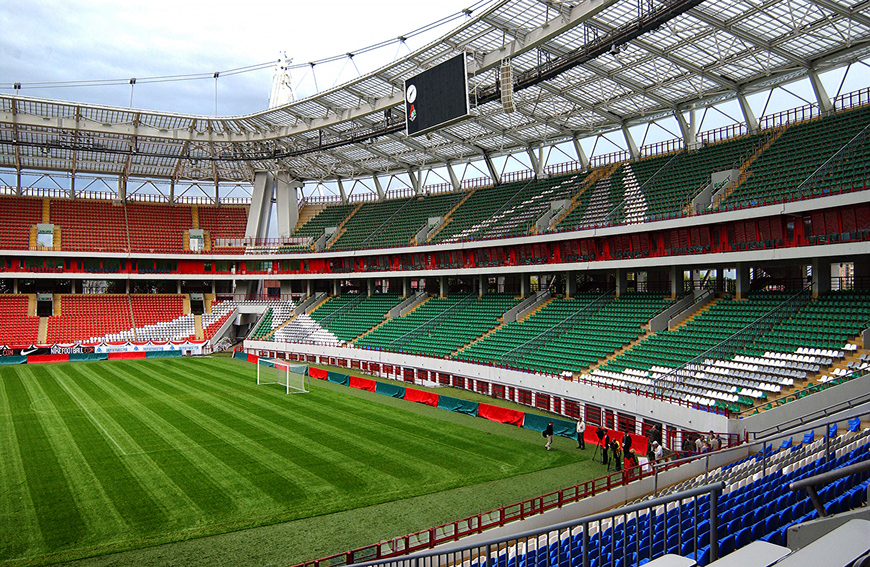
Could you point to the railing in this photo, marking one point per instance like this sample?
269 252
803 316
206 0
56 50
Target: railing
825 478
264 242
406 547
242 297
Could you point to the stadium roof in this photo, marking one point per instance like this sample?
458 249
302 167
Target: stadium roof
580 68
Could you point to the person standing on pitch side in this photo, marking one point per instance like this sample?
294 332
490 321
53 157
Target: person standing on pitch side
548 433
581 430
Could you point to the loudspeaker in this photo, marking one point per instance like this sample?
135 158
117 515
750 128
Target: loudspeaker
506 78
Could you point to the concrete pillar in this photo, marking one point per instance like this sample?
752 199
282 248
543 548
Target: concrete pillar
371 286
15 285
336 287
821 276
213 287
287 212
406 287
742 281
261 205
442 286
570 284
621 281
676 282
525 285
126 287
481 285
309 288
178 287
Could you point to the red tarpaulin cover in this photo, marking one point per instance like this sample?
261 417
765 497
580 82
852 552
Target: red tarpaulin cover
362 383
40 358
318 373
501 415
421 397
126 355
253 358
638 442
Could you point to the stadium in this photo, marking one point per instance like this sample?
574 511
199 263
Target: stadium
340 330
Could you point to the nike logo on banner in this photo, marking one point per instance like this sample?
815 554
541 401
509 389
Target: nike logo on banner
28 351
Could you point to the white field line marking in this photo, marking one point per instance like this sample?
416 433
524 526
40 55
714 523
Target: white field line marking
91 416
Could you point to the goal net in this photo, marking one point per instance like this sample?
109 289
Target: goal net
293 377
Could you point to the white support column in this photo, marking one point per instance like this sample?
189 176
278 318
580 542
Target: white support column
406 287
537 160
581 153
821 94
287 212
341 191
442 286
416 181
748 115
336 287
619 276
453 179
378 187
525 284
371 286
632 145
687 128
496 178
122 188
482 281
676 282
261 205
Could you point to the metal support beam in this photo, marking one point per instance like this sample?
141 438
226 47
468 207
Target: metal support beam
261 205
537 160
341 191
493 172
748 115
687 129
454 181
632 145
581 153
415 177
380 190
821 94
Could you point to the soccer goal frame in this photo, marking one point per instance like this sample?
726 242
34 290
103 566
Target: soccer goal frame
294 377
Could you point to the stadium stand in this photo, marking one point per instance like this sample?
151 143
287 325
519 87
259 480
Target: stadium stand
17 216
16 327
90 226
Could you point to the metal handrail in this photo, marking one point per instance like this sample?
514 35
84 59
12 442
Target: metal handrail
825 478
457 555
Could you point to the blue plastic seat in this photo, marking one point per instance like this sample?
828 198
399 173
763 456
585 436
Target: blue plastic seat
743 538
726 545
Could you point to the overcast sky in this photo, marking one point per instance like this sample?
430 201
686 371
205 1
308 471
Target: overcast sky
61 41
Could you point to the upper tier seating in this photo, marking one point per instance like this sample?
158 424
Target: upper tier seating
16 218
802 149
92 226
394 332
226 221
158 228
368 219
466 222
329 216
16 328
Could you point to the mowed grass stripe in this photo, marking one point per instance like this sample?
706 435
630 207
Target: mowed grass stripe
20 528
440 450
381 435
380 444
54 503
133 501
183 428
204 497
263 469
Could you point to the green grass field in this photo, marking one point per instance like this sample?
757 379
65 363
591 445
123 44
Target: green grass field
103 457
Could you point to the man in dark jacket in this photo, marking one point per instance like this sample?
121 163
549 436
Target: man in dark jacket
548 433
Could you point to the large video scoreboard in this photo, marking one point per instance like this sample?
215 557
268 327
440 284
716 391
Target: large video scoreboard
437 97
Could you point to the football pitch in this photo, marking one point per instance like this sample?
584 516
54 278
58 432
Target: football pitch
110 456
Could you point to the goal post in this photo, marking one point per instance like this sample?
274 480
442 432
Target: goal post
293 377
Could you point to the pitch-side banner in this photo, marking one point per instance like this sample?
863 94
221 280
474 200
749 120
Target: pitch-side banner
42 350
185 346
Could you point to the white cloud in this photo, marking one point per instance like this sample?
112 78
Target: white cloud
60 41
